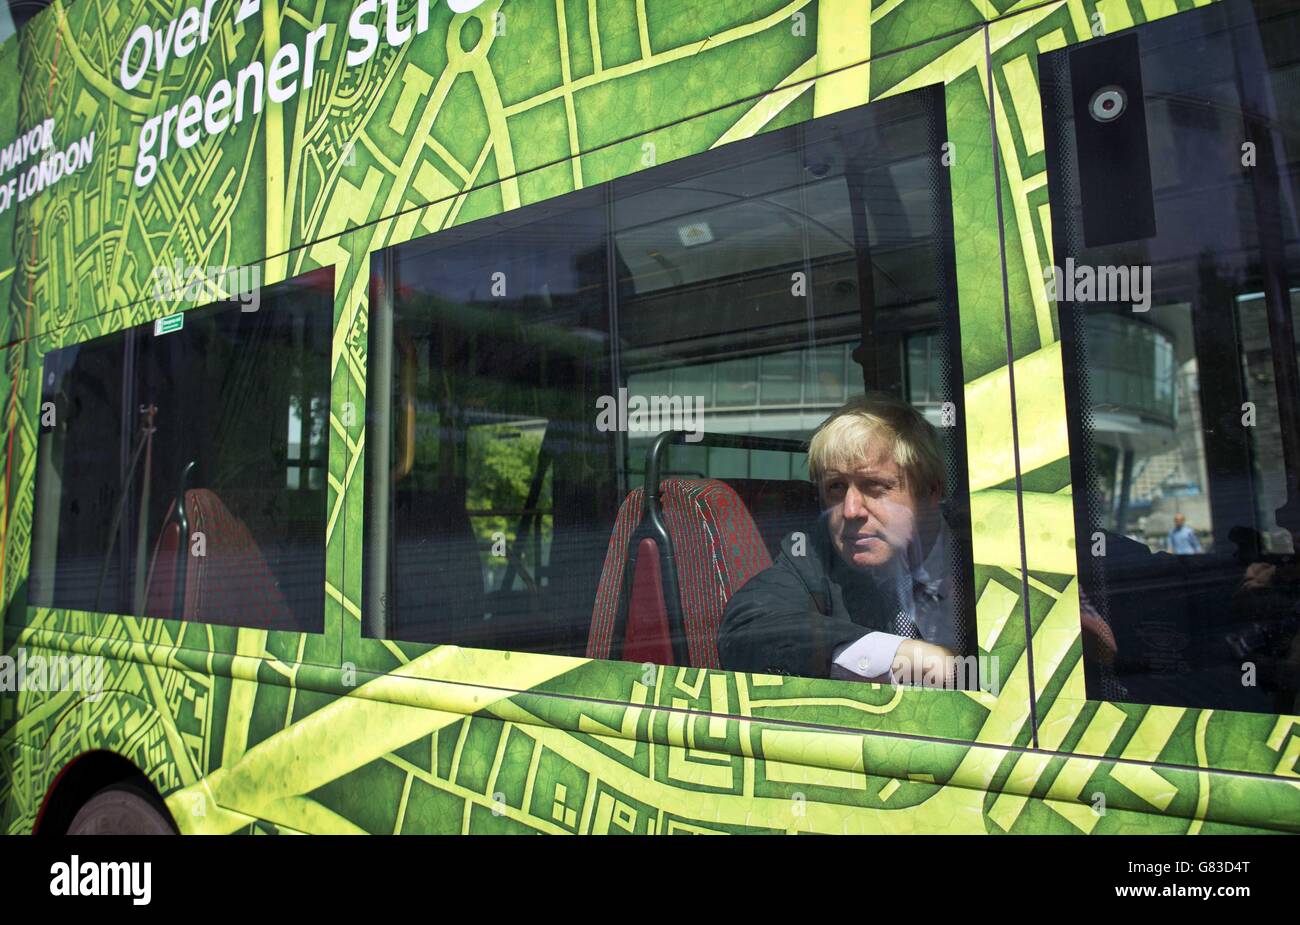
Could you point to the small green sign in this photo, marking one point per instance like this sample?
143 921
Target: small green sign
168 325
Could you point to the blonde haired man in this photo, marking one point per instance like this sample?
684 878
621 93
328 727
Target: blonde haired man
866 594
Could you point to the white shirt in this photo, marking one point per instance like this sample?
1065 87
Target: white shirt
872 655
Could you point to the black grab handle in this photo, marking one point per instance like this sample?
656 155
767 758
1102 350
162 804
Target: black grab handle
652 525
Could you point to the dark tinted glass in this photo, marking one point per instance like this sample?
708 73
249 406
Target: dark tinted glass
761 266
1182 391
499 487
530 361
181 473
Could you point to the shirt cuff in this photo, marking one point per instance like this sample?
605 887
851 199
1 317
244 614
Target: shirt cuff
869 657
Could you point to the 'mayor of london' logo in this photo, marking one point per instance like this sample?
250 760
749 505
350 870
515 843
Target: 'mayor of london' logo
639 414
51 166
1085 283
103 878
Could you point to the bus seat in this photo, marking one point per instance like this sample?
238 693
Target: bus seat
717 548
779 507
160 598
229 584
612 590
648 638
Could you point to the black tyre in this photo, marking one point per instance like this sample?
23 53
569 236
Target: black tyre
122 809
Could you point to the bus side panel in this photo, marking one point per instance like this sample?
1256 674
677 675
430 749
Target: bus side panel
109 720
401 754
9 71
17 788
15 435
508 769
176 724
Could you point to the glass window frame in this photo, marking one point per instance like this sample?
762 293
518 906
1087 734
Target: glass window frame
1067 719
565 676
317 647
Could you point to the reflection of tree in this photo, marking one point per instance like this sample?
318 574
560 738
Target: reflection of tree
502 462
492 376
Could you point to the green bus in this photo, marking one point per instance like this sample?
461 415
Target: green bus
402 399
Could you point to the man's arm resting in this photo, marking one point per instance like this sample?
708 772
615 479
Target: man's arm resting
870 658
771 626
910 661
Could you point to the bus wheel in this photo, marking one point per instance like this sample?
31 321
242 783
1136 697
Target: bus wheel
122 809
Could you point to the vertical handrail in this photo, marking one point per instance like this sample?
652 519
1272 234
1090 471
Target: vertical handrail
150 413
379 443
182 564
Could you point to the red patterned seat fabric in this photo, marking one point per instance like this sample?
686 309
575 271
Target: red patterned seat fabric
609 593
718 548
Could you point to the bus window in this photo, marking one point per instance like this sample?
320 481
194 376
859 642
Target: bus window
213 508
499 510
1177 312
768 283
717 309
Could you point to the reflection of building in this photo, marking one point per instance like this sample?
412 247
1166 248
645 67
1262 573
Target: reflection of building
1145 421
784 394
775 285
1149 435
1259 374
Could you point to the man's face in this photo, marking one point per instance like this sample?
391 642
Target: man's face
1179 520
870 512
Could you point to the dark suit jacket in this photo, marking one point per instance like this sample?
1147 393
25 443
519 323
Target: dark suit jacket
791 617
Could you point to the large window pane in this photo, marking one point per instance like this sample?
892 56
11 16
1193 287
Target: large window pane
499 515
181 472
1182 392
741 296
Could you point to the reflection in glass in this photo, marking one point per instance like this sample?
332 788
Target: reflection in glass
1184 423
753 288
211 506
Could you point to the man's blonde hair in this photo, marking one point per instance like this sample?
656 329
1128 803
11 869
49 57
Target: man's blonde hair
840 443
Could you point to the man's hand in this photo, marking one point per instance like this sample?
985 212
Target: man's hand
923 664
1098 641
1259 575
